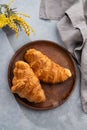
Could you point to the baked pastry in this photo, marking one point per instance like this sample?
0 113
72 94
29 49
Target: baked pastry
45 69
26 84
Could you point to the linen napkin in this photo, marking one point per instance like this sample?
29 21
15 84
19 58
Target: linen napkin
73 31
54 9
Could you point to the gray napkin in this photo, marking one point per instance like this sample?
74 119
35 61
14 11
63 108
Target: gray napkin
54 9
73 31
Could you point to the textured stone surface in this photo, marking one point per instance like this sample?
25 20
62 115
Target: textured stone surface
14 116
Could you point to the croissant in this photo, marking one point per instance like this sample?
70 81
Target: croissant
26 84
45 69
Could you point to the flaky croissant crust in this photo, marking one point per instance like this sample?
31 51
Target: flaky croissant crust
45 69
26 84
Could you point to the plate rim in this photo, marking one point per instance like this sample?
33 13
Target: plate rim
33 42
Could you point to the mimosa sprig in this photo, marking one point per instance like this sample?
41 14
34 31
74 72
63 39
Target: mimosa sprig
10 17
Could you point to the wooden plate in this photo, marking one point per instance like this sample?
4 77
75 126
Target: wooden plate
58 93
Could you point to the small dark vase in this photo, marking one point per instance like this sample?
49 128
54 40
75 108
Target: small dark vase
8 30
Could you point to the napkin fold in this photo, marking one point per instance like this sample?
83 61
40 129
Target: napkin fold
54 9
73 32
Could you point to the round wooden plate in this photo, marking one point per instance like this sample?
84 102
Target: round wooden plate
56 94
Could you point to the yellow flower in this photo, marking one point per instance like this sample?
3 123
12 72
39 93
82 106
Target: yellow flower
3 20
25 15
27 28
13 25
14 20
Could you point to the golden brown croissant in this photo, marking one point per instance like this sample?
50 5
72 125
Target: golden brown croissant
26 84
45 69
